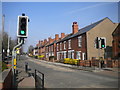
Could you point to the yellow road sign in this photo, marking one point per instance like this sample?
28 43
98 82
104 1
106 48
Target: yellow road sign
15 61
14 67
18 51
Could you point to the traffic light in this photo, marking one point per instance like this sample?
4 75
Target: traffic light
97 44
22 26
102 42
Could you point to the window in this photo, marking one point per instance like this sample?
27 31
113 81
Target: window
52 54
64 45
52 48
69 44
80 41
60 46
64 54
83 56
57 55
72 54
78 55
69 54
57 47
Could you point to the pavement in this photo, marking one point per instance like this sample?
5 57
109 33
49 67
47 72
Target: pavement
24 79
58 75
92 69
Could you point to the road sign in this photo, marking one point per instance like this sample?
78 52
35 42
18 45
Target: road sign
18 50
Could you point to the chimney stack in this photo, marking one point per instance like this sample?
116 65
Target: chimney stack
41 42
50 40
62 35
45 41
56 36
74 27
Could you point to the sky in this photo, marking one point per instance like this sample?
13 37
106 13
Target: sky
50 18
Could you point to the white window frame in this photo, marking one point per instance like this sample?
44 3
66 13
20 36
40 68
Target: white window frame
69 44
61 46
47 49
57 46
52 48
57 55
80 41
69 54
78 55
64 54
52 54
72 54
83 56
64 45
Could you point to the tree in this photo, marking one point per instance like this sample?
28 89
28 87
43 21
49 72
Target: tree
12 43
30 49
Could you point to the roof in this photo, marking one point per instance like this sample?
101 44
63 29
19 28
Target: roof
43 45
65 38
36 47
82 30
52 43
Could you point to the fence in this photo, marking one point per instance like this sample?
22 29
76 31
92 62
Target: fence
39 79
104 63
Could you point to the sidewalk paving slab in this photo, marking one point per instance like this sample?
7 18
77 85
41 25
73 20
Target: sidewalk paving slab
24 80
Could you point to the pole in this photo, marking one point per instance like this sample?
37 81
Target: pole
99 58
13 60
8 50
3 19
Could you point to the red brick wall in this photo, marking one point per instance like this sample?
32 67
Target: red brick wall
116 42
75 44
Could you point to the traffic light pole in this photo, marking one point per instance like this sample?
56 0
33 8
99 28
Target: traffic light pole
99 58
14 62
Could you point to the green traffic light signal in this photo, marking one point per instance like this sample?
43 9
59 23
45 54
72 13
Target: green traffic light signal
103 45
22 32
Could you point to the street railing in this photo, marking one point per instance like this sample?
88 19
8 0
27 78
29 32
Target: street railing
39 79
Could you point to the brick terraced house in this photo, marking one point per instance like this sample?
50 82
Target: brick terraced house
80 44
42 49
51 47
116 42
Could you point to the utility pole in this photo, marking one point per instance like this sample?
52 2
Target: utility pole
3 19
8 50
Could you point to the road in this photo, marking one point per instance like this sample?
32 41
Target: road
62 77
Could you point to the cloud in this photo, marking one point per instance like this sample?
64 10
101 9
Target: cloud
86 8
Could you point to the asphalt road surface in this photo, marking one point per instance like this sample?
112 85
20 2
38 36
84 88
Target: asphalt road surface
62 77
